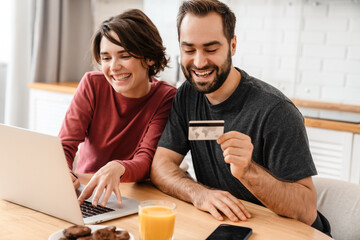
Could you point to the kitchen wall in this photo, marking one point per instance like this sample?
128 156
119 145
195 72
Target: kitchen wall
308 49
3 68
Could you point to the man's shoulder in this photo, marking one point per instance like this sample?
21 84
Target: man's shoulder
262 91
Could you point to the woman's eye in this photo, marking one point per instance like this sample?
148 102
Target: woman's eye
105 58
125 56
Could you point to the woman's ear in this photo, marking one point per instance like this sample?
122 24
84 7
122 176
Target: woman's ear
150 62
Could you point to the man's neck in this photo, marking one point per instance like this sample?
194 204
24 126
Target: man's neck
228 87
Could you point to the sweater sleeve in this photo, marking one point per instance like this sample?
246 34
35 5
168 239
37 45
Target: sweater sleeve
138 168
77 119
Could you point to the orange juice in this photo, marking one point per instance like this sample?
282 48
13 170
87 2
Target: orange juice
156 222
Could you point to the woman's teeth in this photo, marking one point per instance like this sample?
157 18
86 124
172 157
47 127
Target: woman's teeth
121 77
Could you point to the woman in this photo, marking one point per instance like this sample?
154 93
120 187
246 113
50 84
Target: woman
118 114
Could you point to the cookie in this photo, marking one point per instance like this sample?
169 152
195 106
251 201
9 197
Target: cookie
111 228
76 231
122 235
85 238
103 234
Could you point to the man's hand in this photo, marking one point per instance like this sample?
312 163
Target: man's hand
105 179
75 181
216 201
237 150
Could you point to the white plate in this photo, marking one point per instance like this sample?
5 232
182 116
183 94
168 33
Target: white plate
59 234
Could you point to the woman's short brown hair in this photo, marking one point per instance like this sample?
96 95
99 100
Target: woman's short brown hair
204 7
138 36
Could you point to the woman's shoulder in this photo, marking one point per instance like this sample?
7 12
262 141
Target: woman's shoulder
93 76
93 79
163 87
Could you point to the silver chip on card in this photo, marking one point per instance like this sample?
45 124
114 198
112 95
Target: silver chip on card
206 130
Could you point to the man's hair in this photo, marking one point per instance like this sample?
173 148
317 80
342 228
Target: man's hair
204 7
138 36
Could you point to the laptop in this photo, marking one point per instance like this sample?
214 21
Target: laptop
34 174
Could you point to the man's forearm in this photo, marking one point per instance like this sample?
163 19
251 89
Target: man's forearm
291 199
170 179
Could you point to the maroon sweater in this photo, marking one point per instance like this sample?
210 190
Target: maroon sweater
113 127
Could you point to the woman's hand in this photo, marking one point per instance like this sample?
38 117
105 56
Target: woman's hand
75 181
105 179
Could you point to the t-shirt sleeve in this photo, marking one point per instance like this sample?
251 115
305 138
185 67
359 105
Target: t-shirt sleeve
286 147
77 119
175 135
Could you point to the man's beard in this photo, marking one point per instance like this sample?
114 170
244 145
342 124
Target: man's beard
220 78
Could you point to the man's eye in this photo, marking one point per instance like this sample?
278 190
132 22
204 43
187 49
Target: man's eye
211 50
189 51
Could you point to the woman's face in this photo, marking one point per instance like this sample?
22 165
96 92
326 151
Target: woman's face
126 74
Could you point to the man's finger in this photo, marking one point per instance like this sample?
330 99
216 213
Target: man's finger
239 206
215 213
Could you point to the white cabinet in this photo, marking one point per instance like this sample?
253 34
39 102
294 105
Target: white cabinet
335 153
47 110
355 163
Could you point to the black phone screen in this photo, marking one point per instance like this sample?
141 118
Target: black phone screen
230 232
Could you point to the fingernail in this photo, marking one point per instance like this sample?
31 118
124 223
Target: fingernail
243 218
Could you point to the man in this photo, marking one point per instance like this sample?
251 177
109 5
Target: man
263 156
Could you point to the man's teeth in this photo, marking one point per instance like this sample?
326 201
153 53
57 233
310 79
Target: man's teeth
121 77
202 74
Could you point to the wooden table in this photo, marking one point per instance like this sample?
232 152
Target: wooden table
17 222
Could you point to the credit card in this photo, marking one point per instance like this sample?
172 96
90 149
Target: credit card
206 130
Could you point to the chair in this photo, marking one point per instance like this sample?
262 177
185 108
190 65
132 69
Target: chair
339 202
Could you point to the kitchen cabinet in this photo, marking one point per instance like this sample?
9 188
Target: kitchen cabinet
355 163
47 110
336 153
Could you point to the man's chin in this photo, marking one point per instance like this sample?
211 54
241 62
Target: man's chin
202 87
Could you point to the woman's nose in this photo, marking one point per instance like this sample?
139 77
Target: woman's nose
115 65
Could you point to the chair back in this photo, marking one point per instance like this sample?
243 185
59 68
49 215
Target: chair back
339 202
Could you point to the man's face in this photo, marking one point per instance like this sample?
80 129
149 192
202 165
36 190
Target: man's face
205 52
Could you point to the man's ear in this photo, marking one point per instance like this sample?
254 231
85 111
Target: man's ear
233 45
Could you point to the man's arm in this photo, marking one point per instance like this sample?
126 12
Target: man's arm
291 199
168 177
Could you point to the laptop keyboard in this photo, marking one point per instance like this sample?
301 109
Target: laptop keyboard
89 210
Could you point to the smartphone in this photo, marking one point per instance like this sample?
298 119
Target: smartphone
230 232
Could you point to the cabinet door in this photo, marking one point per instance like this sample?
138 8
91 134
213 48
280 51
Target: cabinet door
331 151
47 110
355 160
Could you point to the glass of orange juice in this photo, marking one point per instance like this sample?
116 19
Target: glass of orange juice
156 220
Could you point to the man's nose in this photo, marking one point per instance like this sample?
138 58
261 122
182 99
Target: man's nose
200 60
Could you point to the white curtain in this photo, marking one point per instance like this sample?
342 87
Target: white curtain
18 72
50 43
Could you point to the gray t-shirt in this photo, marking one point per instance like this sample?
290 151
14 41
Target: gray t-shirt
257 109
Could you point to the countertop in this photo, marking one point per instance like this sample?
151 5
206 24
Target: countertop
316 114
